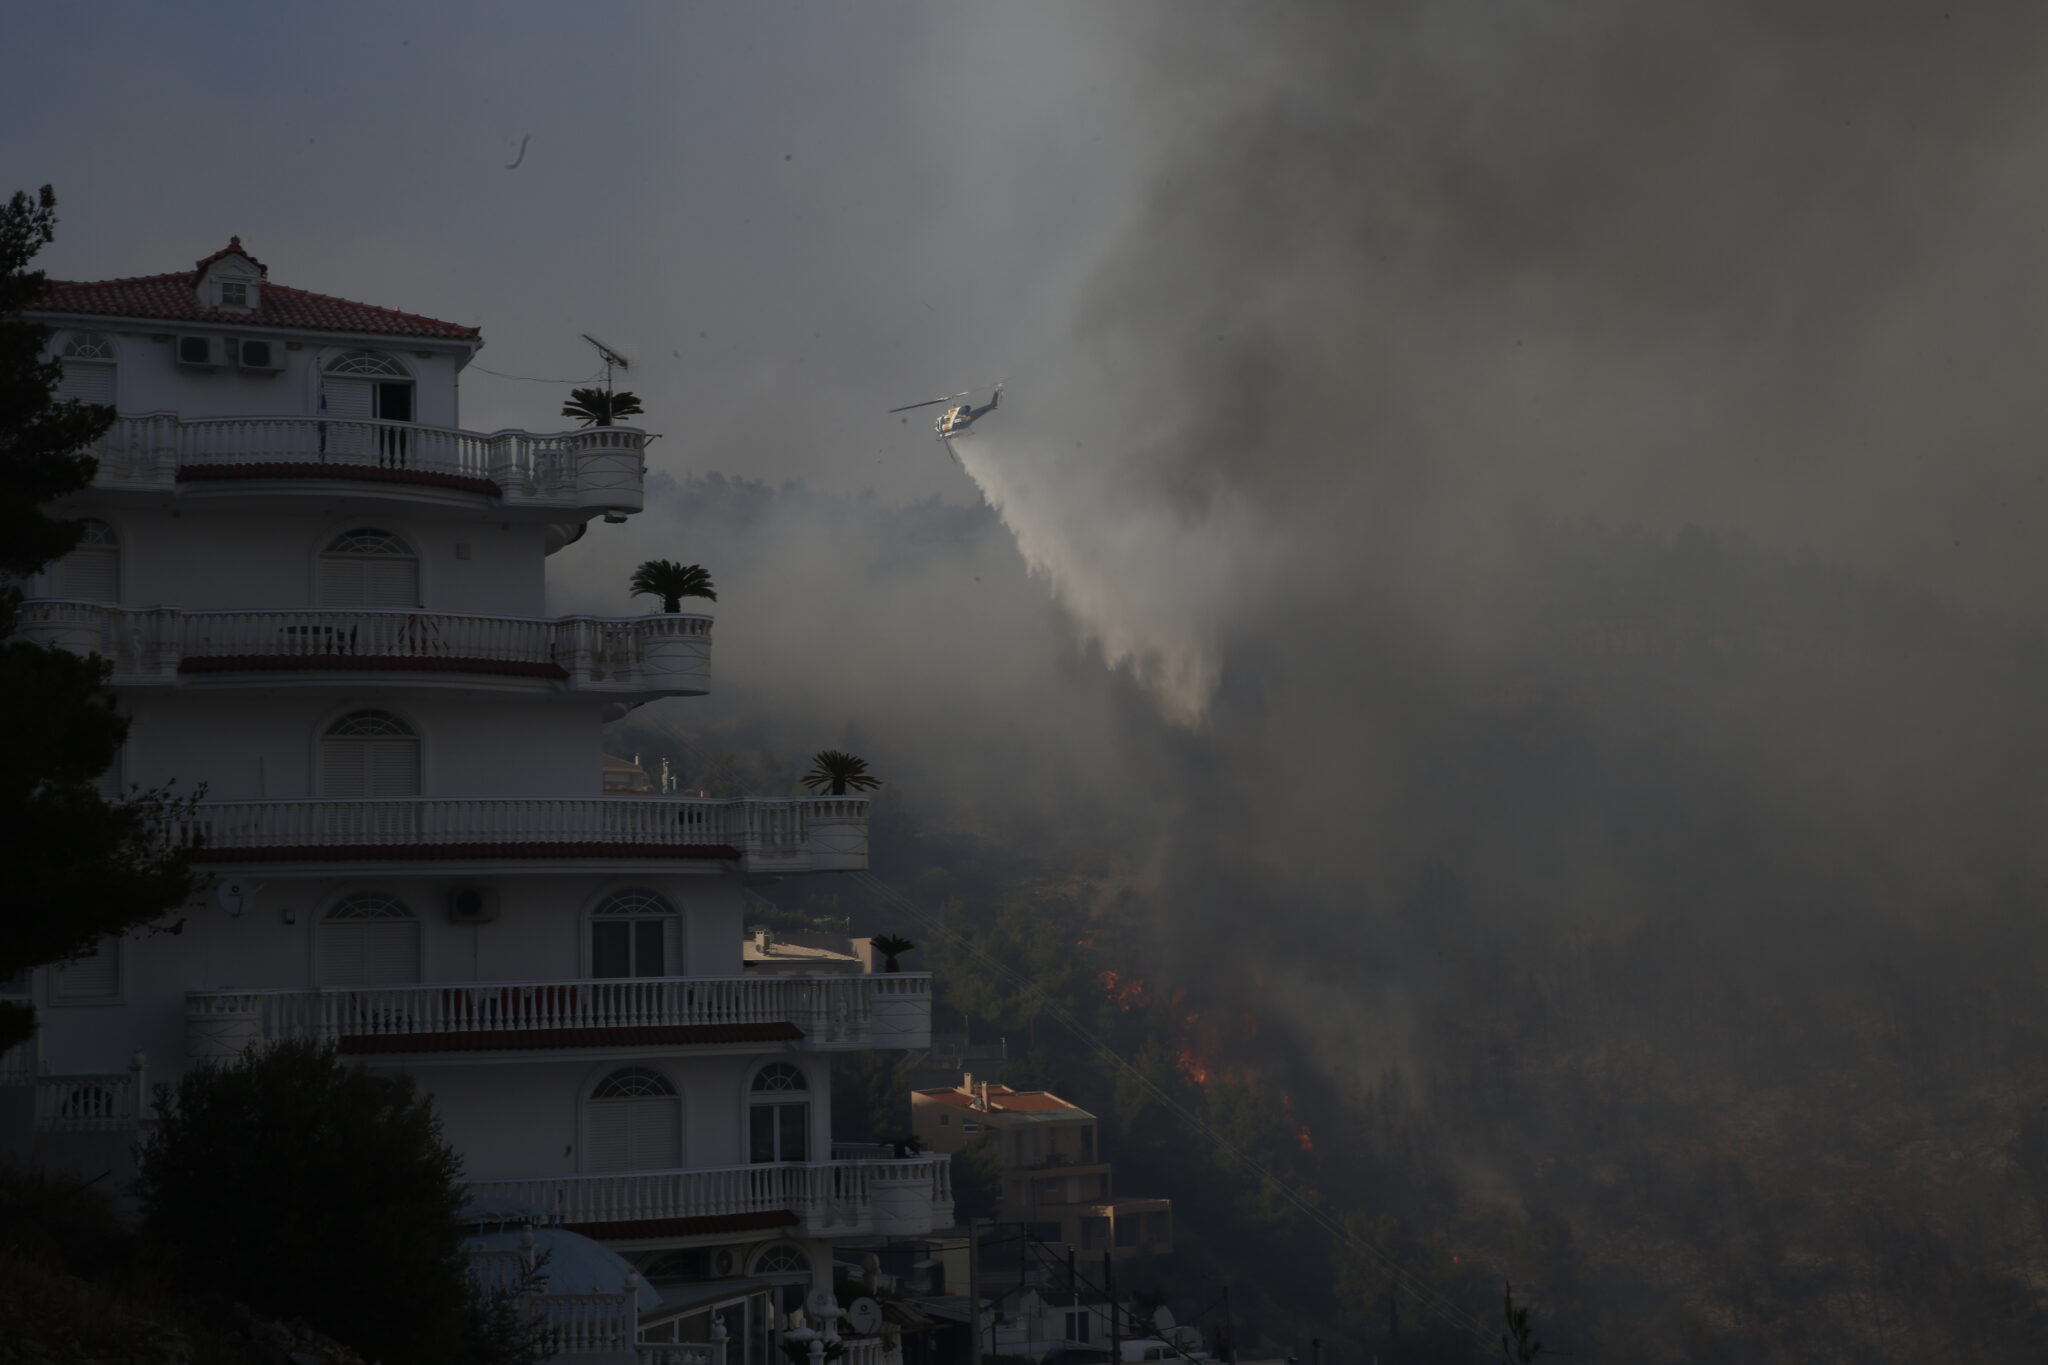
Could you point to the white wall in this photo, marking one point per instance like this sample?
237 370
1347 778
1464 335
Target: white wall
253 745
225 558
147 377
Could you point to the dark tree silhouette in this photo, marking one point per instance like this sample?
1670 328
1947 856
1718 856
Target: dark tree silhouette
80 867
320 1191
598 408
672 582
839 773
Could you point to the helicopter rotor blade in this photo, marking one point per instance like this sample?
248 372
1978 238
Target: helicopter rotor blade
927 402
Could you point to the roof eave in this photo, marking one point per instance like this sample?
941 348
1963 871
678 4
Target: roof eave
472 344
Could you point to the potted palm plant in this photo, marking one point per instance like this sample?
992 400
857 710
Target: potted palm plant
836 773
601 407
892 947
672 582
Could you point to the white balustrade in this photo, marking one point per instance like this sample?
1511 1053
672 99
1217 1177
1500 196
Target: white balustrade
586 1324
90 1102
835 1198
670 652
831 1011
680 1353
599 468
786 834
861 1351
19 1064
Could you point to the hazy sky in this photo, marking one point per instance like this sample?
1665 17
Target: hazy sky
791 217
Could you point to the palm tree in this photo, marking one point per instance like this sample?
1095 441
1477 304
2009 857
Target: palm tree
839 772
600 407
672 582
891 947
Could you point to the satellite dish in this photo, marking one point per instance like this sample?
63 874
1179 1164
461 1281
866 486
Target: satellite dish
864 1316
234 895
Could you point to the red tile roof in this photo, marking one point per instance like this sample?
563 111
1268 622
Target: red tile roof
173 298
1003 1100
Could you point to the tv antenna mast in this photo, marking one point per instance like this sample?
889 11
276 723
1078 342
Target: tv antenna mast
611 359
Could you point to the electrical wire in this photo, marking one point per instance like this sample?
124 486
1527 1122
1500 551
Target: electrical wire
1396 1274
536 379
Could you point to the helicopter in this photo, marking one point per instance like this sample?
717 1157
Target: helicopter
956 419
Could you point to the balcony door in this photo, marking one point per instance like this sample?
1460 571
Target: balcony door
369 756
630 933
368 568
633 1121
369 939
367 385
779 1115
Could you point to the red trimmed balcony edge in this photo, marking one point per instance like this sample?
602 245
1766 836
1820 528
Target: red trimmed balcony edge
441 852
280 469
686 1227
279 663
520 1040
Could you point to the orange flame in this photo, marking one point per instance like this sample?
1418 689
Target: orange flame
1303 1140
1192 1067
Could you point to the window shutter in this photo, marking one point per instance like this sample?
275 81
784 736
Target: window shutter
91 573
370 953
393 767
653 1134
391 953
346 398
344 769
606 1144
87 381
391 581
97 977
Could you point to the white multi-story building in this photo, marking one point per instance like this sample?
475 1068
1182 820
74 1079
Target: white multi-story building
324 602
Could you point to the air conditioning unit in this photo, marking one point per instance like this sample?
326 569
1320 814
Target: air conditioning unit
199 353
266 357
472 904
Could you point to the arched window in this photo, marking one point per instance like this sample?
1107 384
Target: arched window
779 1114
369 939
633 1121
91 572
782 1259
88 360
369 568
367 363
629 934
369 756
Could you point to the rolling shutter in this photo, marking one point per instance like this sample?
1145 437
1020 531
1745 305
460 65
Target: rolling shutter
91 573
369 769
88 381
633 1135
370 952
369 581
347 397
97 977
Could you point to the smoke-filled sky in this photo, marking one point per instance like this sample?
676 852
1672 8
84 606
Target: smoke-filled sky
1367 366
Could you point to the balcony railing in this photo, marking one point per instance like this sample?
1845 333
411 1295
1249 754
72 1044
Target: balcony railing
669 653
90 1102
909 1197
830 1012
598 469
797 834
20 1063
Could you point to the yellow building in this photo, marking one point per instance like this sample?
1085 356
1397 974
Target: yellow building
1053 1171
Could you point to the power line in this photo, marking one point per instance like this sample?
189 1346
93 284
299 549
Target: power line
536 379
1396 1274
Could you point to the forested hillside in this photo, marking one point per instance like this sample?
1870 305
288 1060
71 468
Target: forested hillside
1689 983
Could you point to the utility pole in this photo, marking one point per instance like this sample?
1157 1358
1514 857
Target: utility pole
1116 1318
1229 1331
973 1291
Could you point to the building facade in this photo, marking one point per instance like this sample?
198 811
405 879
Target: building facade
324 602
1053 1171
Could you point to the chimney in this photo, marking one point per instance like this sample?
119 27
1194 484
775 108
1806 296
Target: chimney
967 1082
984 1097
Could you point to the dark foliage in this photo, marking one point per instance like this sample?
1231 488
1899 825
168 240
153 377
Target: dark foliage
839 773
80 867
323 1192
672 582
597 408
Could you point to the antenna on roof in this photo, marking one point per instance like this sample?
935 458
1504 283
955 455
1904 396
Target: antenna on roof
612 359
